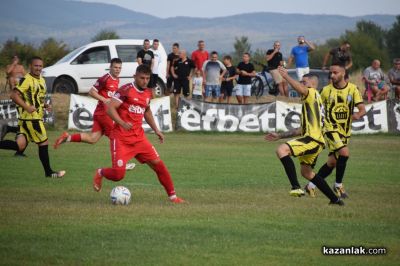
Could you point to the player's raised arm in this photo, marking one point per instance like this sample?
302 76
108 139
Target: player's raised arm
300 88
112 112
148 116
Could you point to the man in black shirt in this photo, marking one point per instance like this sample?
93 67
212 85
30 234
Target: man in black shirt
275 59
182 73
340 56
146 57
172 58
246 71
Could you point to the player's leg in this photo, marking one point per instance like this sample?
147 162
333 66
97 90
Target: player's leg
341 164
36 132
149 155
307 172
284 153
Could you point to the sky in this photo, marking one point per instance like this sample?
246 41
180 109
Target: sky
220 8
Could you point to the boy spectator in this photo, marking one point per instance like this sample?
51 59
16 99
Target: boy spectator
182 73
197 83
213 71
394 77
172 57
246 71
375 80
227 80
200 55
300 55
274 59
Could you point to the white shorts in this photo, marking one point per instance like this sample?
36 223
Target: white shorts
301 71
243 90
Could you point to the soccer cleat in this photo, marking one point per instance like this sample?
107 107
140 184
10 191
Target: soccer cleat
298 192
58 174
61 139
338 202
97 179
130 166
176 200
310 191
20 155
340 192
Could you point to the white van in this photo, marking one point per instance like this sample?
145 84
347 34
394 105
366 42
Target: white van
78 71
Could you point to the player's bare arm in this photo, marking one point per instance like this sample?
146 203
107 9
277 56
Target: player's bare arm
112 112
16 97
300 88
361 111
274 136
93 92
148 116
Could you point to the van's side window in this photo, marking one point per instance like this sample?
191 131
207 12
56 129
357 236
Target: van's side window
127 53
95 55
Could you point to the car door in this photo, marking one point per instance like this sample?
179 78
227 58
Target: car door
127 53
91 64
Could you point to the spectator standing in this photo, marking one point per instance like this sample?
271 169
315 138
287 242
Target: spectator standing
227 80
340 56
197 82
299 54
394 77
182 73
375 80
146 57
200 55
15 71
158 60
246 71
172 58
213 72
274 59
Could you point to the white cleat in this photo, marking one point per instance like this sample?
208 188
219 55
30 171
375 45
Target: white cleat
130 166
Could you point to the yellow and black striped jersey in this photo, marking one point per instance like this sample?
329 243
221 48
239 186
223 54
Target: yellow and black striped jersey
312 116
339 105
33 91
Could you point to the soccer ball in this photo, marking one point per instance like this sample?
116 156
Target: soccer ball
120 195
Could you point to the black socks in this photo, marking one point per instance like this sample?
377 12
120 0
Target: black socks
290 170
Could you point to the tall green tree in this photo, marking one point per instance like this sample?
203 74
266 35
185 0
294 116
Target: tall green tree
241 45
374 31
105 35
51 51
393 39
14 47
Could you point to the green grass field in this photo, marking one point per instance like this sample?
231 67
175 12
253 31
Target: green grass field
239 211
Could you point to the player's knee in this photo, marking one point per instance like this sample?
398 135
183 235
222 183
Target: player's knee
119 174
282 150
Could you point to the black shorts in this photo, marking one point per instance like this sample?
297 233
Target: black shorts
181 84
153 81
226 89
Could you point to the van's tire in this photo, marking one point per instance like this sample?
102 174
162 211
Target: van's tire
159 89
65 85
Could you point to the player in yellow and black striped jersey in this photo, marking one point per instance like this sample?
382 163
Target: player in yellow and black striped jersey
311 143
29 96
339 99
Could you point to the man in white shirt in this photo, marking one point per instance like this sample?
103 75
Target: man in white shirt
158 59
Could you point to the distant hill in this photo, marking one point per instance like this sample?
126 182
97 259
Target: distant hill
77 22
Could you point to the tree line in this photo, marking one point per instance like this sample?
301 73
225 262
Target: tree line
368 41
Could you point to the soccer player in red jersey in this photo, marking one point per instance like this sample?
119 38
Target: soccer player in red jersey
102 90
128 107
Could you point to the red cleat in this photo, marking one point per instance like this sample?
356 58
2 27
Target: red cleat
61 139
176 200
97 179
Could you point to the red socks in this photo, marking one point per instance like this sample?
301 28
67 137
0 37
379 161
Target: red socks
113 174
164 177
75 138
